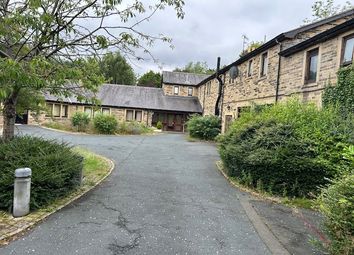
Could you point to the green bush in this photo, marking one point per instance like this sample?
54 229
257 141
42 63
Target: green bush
80 120
133 128
55 169
159 125
204 127
336 202
105 124
291 148
341 95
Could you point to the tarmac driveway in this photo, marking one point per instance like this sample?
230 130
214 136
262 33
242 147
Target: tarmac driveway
164 196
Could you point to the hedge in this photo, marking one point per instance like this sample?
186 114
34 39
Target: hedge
204 127
289 149
55 169
105 124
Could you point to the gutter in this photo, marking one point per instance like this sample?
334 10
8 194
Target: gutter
217 109
278 72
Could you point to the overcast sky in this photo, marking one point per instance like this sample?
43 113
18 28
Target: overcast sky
213 28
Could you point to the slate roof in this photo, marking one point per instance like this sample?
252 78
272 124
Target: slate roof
279 38
321 37
125 96
181 78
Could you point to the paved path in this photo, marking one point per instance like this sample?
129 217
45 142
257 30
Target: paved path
164 196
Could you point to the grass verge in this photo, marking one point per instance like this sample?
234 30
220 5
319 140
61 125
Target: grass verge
96 169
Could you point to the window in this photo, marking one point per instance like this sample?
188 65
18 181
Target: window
264 64
208 87
241 110
129 115
249 72
190 91
64 111
311 66
105 111
176 90
56 110
49 110
88 110
348 50
138 115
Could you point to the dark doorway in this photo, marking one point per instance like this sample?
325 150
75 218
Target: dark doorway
170 121
22 118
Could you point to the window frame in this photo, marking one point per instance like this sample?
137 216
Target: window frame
56 116
190 89
103 109
250 67
309 55
264 64
91 111
174 90
49 112
64 111
141 115
126 115
344 44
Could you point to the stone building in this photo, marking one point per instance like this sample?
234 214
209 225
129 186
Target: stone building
126 103
299 62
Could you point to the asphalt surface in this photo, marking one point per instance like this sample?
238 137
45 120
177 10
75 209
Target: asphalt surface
164 196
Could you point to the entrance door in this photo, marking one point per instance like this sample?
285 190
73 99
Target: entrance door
179 122
228 120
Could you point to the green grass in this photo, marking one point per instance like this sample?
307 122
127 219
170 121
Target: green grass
95 166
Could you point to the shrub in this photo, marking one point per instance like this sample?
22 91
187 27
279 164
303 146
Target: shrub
204 127
80 120
336 202
105 124
341 95
55 169
159 125
291 148
133 128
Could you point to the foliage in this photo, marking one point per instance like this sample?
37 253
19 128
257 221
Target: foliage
341 95
325 8
291 147
150 79
39 38
336 202
105 124
197 67
133 128
80 120
55 169
30 100
204 127
251 47
117 70
159 125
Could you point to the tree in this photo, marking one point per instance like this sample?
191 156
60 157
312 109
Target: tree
37 38
251 47
197 67
325 8
150 79
117 70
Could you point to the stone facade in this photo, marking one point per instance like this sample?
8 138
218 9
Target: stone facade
253 88
168 89
119 113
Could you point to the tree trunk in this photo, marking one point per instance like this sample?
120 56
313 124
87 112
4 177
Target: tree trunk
10 116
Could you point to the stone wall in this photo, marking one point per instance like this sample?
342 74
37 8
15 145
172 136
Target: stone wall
119 113
247 90
168 89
